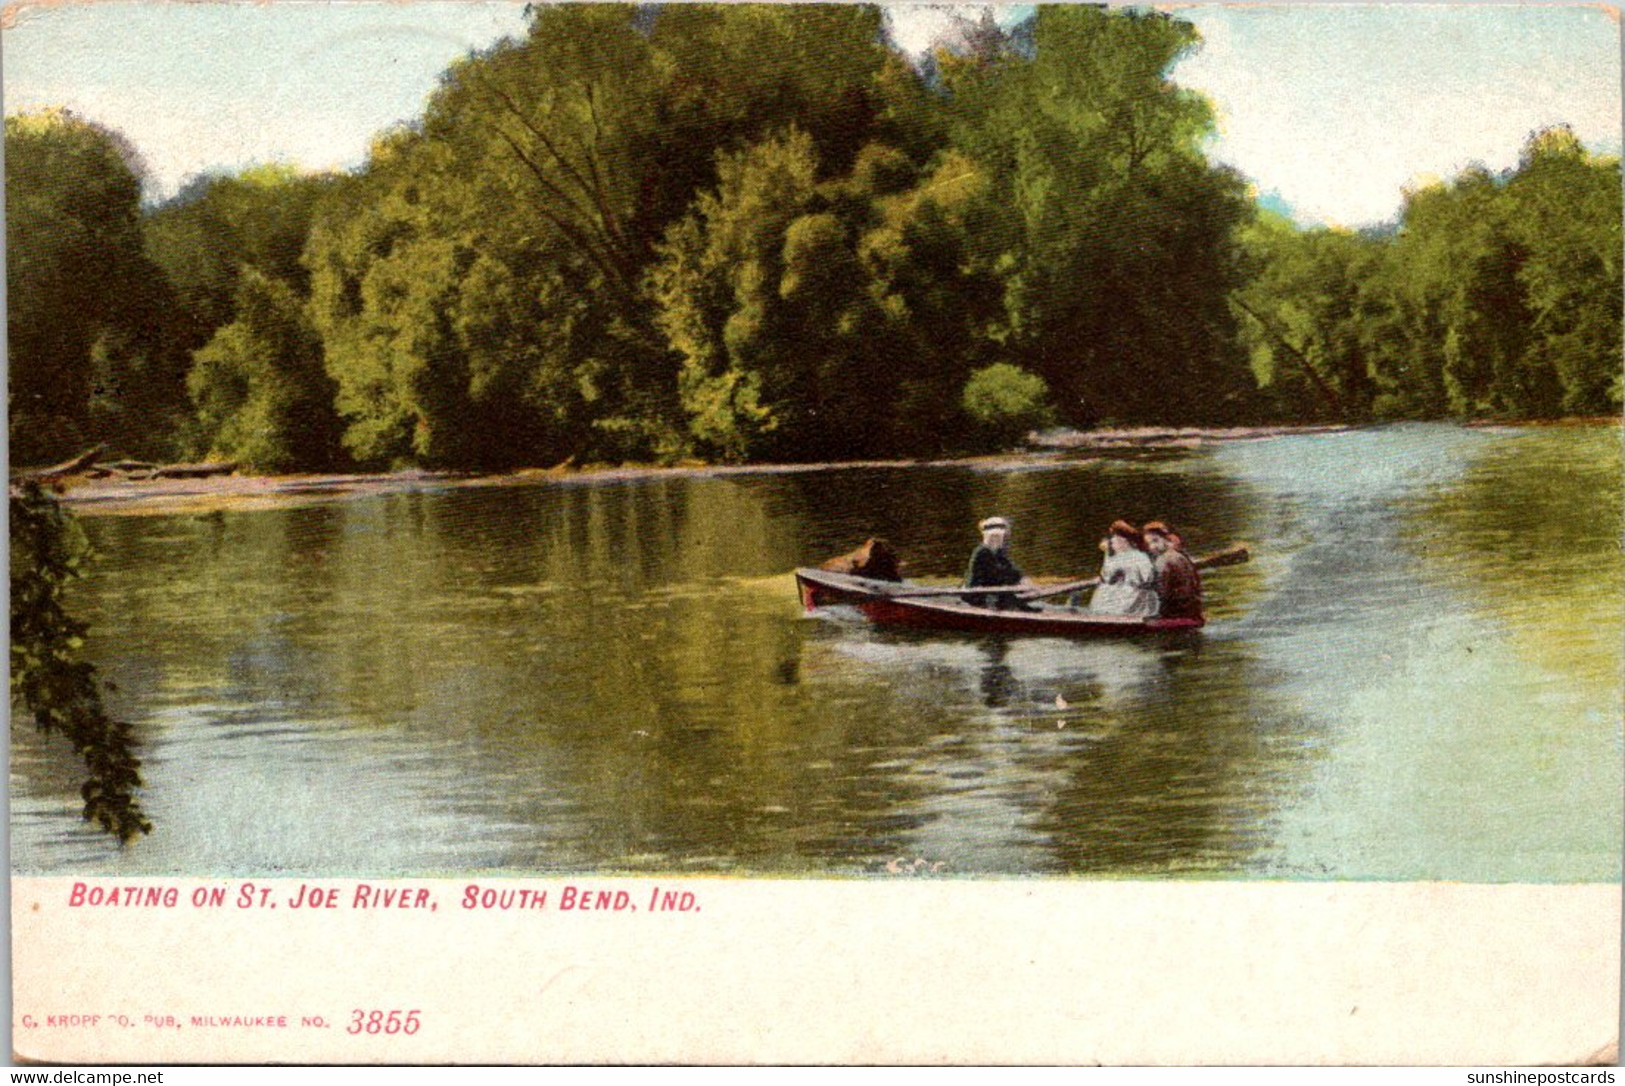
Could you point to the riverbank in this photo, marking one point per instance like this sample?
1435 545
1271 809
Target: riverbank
1179 437
244 493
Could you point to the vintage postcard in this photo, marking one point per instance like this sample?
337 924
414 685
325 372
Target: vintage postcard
723 533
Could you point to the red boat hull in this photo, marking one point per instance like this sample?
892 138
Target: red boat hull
879 603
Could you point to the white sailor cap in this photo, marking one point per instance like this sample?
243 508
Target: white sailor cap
995 522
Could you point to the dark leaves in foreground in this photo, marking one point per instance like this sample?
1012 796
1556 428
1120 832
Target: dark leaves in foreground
49 678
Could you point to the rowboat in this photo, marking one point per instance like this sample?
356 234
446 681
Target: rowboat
898 603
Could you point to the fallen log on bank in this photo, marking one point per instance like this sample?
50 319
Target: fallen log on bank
87 465
68 467
124 469
141 470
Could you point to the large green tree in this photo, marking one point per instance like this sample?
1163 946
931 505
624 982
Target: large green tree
1118 235
481 290
826 319
262 396
87 312
1497 295
1565 218
218 225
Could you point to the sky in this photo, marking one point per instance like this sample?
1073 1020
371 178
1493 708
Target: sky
1330 111
208 86
1334 110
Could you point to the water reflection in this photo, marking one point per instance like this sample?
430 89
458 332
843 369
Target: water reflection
998 681
1066 757
618 677
1457 738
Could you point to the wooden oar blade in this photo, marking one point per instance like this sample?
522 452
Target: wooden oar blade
1233 556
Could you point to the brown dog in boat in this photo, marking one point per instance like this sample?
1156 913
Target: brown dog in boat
875 559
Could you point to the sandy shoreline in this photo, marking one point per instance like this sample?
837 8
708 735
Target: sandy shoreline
1173 437
113 496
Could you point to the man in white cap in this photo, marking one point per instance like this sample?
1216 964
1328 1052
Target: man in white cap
990 567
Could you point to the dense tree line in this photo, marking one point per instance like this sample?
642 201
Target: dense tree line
88 313
1495 296
760 232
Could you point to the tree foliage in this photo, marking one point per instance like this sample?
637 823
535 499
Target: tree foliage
750 231
86 311
219 225
1497 296
261 394
50 680
1308 308
1005 401
1117 235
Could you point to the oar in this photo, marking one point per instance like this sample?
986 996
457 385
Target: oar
1232 556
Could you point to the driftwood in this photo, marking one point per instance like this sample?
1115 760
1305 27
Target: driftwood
87 464
67 467
123 469
139 470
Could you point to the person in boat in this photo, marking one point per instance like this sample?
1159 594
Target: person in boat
1128 580
991 567
1179 584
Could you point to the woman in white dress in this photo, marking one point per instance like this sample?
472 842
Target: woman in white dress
1128 580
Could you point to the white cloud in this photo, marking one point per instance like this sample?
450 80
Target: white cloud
1339 108
917 28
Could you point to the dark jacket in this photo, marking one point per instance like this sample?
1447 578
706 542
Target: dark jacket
992 569
1179 585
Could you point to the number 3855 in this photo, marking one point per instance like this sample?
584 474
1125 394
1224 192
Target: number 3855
385 1022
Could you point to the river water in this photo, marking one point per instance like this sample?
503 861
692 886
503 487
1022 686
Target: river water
1418 677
